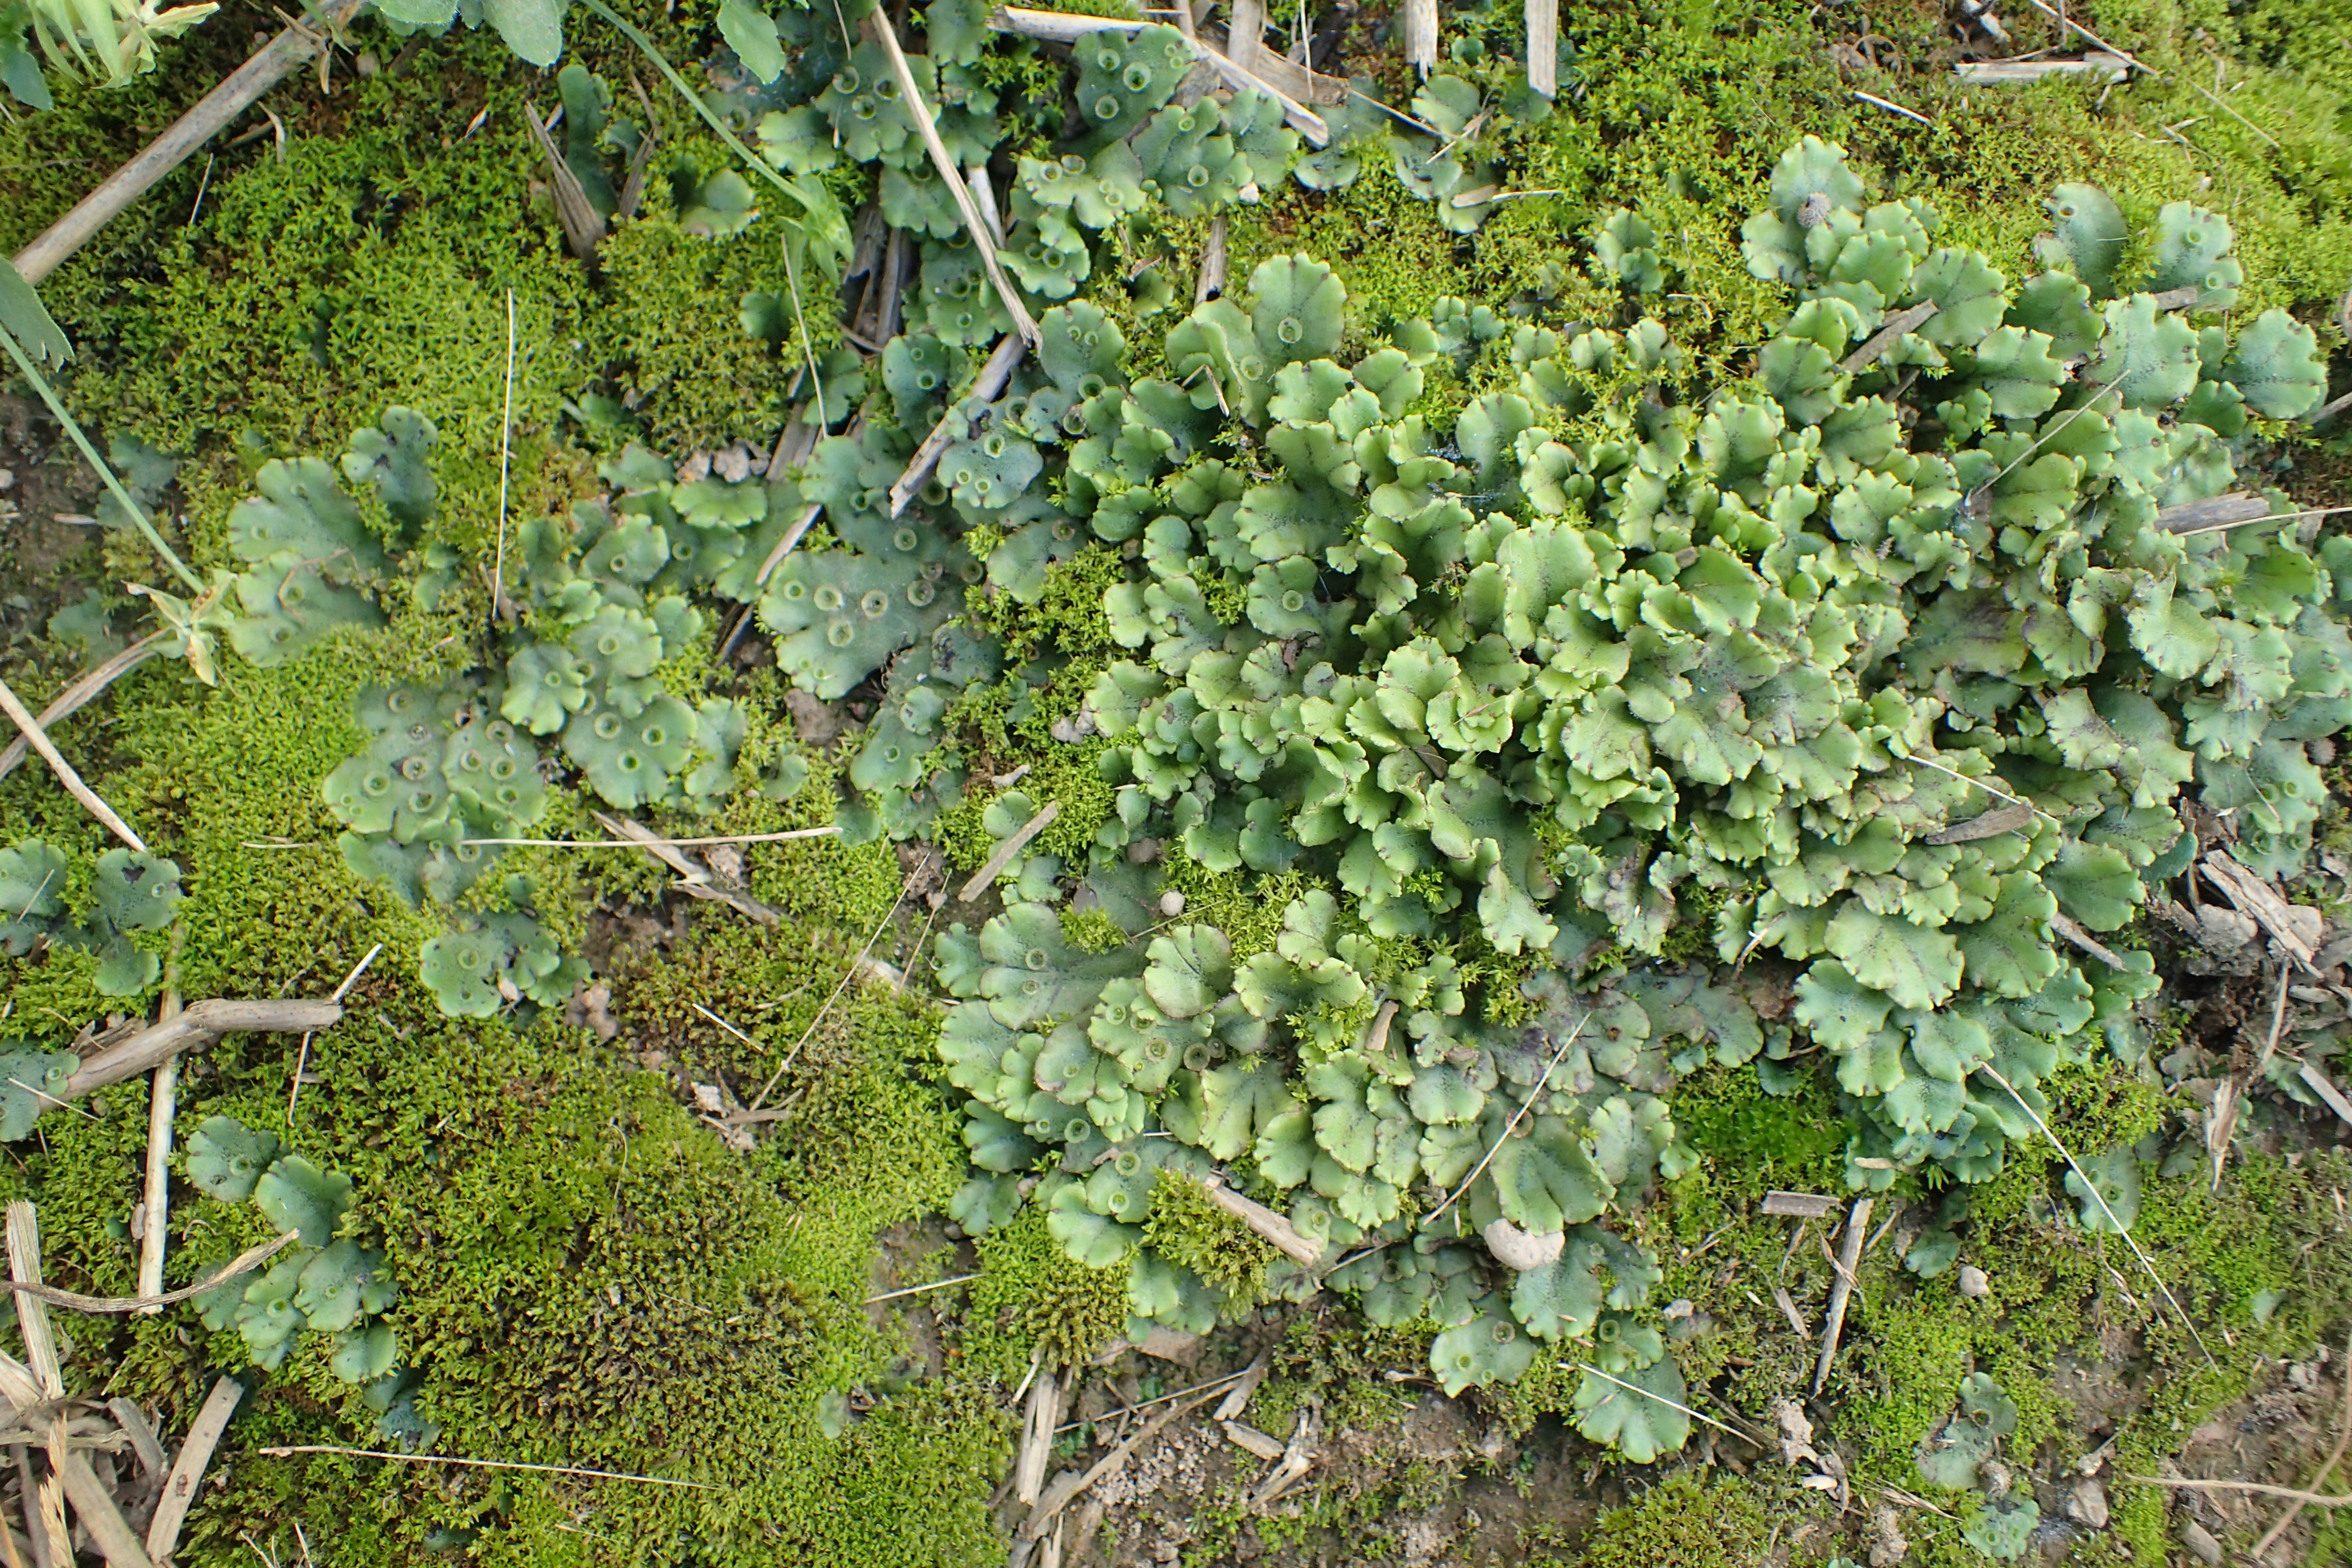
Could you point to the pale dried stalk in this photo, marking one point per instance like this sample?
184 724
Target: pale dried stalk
188 1469
1849 1257
279 59
1065 28
86 689
1421 33
1044 1411
41 1358
163 1101
197 1027
2256 900
946 165
1543 47
1888 336
244 1262
2306 1500
38 738
1007 850
2001 73
2196 516
1070 1484
1271 1227
953 424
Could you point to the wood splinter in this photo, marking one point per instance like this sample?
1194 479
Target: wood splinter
1271 1227
1857 1225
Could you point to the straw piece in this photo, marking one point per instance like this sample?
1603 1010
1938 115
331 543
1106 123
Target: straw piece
188 1469
941 160
14 708
85 689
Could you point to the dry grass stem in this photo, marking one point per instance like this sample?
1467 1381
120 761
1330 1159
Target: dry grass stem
188 1469
1005 851
244 1262
86 689
39 740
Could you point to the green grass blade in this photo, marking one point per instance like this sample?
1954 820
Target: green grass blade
137 514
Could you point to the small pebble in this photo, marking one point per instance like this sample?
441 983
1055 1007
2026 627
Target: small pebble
2086 1504
1973 1282
734 464
1171 903
1815 212
695 469
8 481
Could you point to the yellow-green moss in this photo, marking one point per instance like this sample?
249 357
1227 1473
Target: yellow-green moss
1033 1297
1680 1520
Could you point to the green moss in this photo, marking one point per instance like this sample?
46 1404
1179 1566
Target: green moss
1188 1230
688 368
1681 1521
1092 930
1033 1297
1246 908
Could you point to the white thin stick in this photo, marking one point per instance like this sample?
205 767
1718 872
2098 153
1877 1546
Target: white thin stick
1842 1293
38 739
827 831
506 445
1989 789
1108 1416
1885 104
1005 851
2097 1197
918 1289
945 163
727 1026
302 1058
1669 1404
1543 1080
2271 517
163 1101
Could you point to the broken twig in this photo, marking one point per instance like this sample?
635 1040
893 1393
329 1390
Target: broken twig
188 1469
1005 851
195 1028
1842 1292
1271 1227
244 1262
954 423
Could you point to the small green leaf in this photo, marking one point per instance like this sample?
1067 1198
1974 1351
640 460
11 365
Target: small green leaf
2109 1200
2087 237
1641 1421
295 1195
225 1158
751 33
1918 966
2275 365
